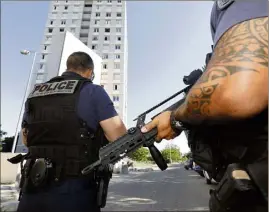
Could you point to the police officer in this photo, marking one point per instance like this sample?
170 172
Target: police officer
66 121
231 99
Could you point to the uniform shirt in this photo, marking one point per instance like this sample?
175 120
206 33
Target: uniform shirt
236 12
94 104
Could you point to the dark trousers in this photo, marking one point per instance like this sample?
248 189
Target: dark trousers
71 195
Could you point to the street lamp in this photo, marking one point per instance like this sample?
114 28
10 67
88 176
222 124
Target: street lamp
24 52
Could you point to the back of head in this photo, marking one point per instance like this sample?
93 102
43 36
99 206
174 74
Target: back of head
79 62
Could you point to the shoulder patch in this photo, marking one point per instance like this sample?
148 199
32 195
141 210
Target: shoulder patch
45 89
223 4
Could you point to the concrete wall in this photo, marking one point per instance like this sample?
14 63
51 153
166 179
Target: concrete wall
8 170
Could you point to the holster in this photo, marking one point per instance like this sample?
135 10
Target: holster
103 176
235 192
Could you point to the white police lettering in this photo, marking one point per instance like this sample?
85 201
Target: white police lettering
222 4
63 87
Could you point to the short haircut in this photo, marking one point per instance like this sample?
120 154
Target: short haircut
79 61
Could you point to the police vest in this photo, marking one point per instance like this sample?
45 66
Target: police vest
55 130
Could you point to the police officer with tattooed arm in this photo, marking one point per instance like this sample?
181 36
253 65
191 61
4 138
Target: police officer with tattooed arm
66 121
226 110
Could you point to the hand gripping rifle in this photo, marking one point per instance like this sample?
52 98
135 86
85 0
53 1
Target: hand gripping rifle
134 138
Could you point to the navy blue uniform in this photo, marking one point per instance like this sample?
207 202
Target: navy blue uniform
235 12
77 194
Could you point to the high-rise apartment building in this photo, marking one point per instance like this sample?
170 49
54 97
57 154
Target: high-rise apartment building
102 26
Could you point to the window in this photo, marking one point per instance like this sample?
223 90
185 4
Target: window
116 66
96 30
104 66
74 21
43 56
99 1
61 29
119 1
41 66
105 47
63 22
88 5
117 46
109 1
118 14
117 56
86 12
55 7
66 1
40 76
94 46
119 38
95 38
104 76
106 38
97 14
105 56
86 43
50 30
108 22
118 29
118 22
116 98
48 38
115 87
45 47
51 22
107 30
116 76
96 22
108 14
65 7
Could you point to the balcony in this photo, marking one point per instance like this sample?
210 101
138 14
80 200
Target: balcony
85 23
87 9
86 17
84 39
84 33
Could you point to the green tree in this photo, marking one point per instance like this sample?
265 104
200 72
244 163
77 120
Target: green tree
140 154
175 153
2 133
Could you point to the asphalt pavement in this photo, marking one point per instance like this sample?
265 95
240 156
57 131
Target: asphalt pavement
175 189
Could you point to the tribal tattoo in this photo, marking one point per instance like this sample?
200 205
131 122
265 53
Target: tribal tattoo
243 48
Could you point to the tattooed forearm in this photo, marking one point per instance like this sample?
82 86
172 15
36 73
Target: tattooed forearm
242 49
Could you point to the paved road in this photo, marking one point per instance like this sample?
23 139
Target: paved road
172 190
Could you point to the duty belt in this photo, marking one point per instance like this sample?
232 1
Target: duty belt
63 159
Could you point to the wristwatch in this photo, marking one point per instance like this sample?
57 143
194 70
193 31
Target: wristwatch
176 125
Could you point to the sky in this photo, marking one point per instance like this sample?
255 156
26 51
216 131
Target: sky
166 40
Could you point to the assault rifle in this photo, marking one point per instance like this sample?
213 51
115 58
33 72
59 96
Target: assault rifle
134 138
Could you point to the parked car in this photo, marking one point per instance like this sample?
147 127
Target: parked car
188 164
199 170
